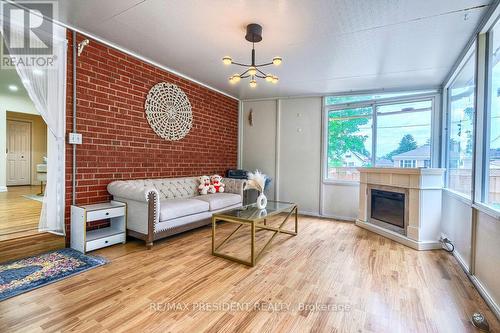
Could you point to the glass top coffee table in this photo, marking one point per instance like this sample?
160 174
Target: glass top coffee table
256 219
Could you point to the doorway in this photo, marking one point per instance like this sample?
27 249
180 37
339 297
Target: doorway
26 151
18 153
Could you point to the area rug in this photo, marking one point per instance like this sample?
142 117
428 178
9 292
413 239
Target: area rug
35 197
22 275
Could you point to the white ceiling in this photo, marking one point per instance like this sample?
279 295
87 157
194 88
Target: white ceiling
327 45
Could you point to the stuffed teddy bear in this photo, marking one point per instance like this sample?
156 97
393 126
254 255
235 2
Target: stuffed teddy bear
205 187
217 184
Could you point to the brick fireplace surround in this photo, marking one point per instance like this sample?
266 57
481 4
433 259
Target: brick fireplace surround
118 142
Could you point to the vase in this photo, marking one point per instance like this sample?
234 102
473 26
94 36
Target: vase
261 201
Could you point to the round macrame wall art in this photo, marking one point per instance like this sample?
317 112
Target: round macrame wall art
168 111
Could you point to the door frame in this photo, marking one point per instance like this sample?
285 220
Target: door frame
20 120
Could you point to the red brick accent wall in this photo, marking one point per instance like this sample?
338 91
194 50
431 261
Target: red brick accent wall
118 142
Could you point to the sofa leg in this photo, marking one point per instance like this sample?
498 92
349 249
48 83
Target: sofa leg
149 245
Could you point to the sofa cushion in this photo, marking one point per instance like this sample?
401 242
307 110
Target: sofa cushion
174 208
220 200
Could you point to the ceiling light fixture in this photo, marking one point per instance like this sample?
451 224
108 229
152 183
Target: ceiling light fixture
254 35
13 87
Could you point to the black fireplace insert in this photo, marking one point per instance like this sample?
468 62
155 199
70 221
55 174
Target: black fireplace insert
388 207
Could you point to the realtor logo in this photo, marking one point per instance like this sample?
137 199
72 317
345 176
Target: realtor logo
27 33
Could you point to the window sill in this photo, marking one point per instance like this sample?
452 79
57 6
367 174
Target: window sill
341 182
488 210
457 195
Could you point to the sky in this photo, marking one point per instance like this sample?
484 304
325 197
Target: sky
392 127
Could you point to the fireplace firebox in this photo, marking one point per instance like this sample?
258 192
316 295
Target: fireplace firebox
388 210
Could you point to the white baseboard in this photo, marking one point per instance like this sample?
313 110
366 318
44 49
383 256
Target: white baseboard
307 213
335 217
417 245
486 296
3 188
495 308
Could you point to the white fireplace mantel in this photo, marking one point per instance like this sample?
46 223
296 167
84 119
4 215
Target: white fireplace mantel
423 209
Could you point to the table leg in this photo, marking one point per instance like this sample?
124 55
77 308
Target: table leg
214 221
253 245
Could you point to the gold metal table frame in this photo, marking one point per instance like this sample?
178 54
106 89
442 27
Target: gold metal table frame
257 223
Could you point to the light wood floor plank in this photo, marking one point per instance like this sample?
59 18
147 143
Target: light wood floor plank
17 213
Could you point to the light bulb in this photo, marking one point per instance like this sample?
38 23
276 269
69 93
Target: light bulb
227 60
236 78
277 61
275 79
252 70
253 84
269 78
231 80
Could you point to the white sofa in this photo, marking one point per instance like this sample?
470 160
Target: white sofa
157 208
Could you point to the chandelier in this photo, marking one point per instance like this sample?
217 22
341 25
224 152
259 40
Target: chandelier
254 35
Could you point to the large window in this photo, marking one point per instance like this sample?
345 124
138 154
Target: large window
349 143
402 134
492 163
461 114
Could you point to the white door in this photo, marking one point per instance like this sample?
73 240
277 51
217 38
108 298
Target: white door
18 153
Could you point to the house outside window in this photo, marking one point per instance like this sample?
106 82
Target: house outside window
416 158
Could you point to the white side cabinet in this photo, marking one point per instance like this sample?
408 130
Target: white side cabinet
84 240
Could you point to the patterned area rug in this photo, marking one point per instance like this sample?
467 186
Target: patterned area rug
23 275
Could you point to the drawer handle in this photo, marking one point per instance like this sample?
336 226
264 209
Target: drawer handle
106 242
107 213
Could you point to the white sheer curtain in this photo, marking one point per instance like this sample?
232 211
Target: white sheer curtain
46 86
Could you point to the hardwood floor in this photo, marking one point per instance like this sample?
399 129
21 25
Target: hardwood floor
19 214
364 282
31 245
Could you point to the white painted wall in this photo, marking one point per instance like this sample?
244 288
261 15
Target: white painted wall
14 103
487 264
295 132
259 141
340 201
456 225
299 162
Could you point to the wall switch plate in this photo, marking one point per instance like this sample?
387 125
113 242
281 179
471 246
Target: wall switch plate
75 138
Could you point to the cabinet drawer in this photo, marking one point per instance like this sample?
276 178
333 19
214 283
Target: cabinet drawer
105 213
105 241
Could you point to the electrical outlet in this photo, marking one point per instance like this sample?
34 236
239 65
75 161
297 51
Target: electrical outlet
75 138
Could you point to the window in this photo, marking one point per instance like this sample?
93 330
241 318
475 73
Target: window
408 163
349 142
402 132
491 194
461 114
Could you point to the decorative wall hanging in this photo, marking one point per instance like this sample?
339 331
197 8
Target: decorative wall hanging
253 71
168 111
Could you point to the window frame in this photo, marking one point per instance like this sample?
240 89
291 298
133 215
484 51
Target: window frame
472 52
484 123
429 95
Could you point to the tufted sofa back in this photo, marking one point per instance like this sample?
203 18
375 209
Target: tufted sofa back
170 188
